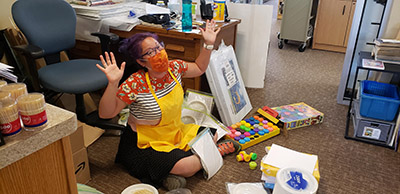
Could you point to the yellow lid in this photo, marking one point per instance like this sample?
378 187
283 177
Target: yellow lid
5 95
31 101
2 83
8 111
16 89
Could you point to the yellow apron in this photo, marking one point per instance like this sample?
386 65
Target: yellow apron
171 132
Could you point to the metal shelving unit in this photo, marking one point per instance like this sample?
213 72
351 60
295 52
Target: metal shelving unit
352 111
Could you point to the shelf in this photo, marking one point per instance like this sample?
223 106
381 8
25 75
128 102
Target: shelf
390 68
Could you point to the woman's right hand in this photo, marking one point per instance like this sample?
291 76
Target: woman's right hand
110 68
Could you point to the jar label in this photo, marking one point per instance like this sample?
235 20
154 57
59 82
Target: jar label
11 127
34 120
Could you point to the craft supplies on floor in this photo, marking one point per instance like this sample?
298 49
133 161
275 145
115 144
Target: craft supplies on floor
203 146
251 131
295 181
225 80
279 157
298 115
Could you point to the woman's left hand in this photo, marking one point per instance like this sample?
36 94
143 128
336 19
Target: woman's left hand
209 33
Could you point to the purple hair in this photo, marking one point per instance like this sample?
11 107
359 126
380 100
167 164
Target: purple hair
132 46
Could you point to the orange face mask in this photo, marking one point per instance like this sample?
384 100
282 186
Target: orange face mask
159 62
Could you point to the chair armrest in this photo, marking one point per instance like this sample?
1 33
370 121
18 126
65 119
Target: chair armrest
106 39
29 50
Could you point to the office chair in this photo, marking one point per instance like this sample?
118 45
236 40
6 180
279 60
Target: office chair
49 26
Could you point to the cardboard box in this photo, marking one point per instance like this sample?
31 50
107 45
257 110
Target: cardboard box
81 166
84 136
90 134
298 115
76 140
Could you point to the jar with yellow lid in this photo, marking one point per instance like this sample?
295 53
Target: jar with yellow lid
2 83
10 122
15 89
32 108
5 96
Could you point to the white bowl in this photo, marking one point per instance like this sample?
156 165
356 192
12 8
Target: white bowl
136 187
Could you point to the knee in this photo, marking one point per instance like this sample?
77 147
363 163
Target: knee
187 167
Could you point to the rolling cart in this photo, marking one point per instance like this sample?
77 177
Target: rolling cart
295 24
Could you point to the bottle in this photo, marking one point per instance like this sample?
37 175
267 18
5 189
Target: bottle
219 10
186 15
194 8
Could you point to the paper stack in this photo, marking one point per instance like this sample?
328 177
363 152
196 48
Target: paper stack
101 12
6 72
387 50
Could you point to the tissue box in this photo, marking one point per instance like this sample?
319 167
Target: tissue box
298 115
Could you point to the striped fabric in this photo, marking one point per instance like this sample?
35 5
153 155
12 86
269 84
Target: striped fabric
146 108
135 92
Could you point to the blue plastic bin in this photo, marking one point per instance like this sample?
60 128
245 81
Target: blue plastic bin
379 100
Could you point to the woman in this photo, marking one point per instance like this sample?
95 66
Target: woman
154 145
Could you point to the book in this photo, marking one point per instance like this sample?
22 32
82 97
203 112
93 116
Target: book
203 146
373 64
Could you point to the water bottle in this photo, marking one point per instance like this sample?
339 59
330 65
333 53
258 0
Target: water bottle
186 15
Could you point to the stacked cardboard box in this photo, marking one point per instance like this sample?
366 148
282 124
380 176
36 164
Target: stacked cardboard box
80 140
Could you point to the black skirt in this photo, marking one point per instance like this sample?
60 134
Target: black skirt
148 165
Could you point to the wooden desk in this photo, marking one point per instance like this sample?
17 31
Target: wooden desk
40 161
179 45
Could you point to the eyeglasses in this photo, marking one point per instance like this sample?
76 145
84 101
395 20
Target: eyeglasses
153 51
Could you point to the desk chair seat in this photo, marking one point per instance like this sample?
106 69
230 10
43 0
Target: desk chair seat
74 77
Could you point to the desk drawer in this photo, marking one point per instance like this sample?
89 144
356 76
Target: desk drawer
181 49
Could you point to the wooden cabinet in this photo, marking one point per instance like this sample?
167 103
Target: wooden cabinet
333 24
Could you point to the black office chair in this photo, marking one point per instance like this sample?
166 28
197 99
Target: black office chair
49 26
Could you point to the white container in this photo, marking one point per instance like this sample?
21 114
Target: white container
295 181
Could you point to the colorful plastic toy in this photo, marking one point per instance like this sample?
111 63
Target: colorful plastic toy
243 156
253 130
253 165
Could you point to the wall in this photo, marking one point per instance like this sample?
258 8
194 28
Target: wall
5 13
393 25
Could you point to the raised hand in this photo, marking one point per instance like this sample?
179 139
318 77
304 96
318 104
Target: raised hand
209 33
110 68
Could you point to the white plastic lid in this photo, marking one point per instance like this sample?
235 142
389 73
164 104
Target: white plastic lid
296 181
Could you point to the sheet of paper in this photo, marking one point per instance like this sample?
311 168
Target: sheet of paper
210 157
154 9
210 122
282 157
